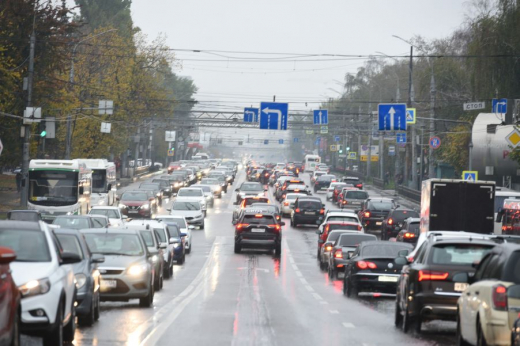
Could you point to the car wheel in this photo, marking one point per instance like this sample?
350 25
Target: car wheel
352 290
147 301
96 309
407 320
181 260
460 339
278 249
188 251
202 226
70 329
89 318
418 324
15 336
55 336
398 318
322 264
171 270
292 223
161 282
157 283
237 248
481 338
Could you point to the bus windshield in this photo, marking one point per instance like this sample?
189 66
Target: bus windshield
98 181
51 187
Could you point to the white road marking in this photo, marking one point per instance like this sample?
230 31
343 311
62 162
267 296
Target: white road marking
309 288
322 302
334 311
317 296
304 281
299 273
348 325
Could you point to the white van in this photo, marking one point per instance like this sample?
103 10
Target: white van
310 162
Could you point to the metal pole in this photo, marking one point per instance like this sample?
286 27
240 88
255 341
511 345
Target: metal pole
410 103
422 158
470 163
432 124
381 156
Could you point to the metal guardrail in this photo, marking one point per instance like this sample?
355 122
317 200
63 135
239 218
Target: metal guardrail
414 195
379 183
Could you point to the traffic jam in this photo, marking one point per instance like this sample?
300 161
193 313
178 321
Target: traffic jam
244 245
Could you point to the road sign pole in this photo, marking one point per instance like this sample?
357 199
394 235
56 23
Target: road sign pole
369 159
381 156
431 172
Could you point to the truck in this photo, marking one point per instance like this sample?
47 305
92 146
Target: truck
457 205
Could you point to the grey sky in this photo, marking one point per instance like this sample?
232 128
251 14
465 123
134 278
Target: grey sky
286 26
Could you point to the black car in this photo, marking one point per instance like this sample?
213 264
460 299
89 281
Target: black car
410 231
176 181
166 186
85 272
256 229
345 244
179 252
307 211
323 182
374 211
372 267
270 208
24 215
426 290
155 188
394 221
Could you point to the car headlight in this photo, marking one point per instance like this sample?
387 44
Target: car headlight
261 194
176 185
158 194
81 280
35 287
242 194
137 269
218 189
145 206
121 206
154 258
176 244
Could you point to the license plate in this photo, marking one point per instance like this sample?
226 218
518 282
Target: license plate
309 213
378 223
108 283
258 230
387 278
132 212
460 286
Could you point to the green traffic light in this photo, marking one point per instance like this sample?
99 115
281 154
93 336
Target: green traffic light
341 151
43 133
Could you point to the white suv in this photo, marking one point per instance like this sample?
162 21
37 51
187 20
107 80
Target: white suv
45 278
193 194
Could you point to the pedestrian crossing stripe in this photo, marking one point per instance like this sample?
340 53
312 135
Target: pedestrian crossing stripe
411 115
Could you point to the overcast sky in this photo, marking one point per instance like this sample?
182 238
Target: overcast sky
286 26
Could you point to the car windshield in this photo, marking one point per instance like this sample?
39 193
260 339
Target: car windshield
148 238
114 244
204 188
383 249
209 181
293 196
342 218
259 219
401 215
160 234
72 222
458 254
110 213
186 206
326 178
357 194
70 243
181 223
190 193
354 239
296 187
134 196
30 246
99 222
149 186
380 205
251 187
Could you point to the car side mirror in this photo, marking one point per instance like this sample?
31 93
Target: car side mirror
171 240
118 198
234 222
323 205
461 277
97 258
403 253
163 246
401 261
236 190
265 188
70 258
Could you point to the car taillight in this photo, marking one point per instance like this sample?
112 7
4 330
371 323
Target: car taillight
365 265
367 214
296 190
336 192
283 188
276 227
242 225
297 210
286 203
322 211
266 174
333 181
427 275
359 228
345 202
327 227
409 235
328 247
499 297
283 196
359 185
338 253
390 221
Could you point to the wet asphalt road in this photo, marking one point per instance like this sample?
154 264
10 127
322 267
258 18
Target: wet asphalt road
220 298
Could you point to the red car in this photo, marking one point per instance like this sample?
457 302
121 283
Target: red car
9 300
173 166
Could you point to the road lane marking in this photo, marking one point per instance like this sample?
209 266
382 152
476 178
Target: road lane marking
334 311
309 288
348 325
317 296
304 281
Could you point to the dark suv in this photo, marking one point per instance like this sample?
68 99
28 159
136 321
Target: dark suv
258 229
307 211
394 221
426 290
323 182
374 211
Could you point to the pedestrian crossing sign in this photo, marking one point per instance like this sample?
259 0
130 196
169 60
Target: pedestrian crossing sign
470 175
410 116
352 155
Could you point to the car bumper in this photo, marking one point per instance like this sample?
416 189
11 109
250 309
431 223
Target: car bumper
286 209
435 306
195 222
147 213
254 240
373 223
84 303
127 287
178 253
48 303
375 282
309 219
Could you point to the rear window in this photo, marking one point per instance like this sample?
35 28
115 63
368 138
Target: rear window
309 204
513 268
332 237
458 254
413 227
357 194
339 186
70 243
383 250
148 238
250 201
355 239
380 205
345 227
399 215
190 193
326 178
342 218
259 220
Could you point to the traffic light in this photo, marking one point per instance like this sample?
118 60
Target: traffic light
340 150
43 129
348 148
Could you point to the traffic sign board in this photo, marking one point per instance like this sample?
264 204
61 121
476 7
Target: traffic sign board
280 141
324 129
470 106
392 116
470 175
250 115
273 115
411 115
321 116
333 147
352 155
499 106
513 138
171 152
435 142
400 137
391 150
295 139
336 138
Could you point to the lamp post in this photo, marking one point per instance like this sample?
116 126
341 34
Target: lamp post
68 142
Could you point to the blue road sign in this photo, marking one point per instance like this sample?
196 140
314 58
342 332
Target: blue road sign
295 139
469 175
250 114
280 141
392 116
499 106
336 139
273 115
435 142
400 137
266 141
316 118
411 115
321 117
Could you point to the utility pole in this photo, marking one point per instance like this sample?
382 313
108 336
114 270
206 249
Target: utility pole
422 158
431 172
410 105
27 127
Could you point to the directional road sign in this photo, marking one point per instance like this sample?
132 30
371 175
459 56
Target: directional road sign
273 115
435 142
250 114
280 141
321 116
392 116
499 106
295 139
470 175
336 138
400 137
411 114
